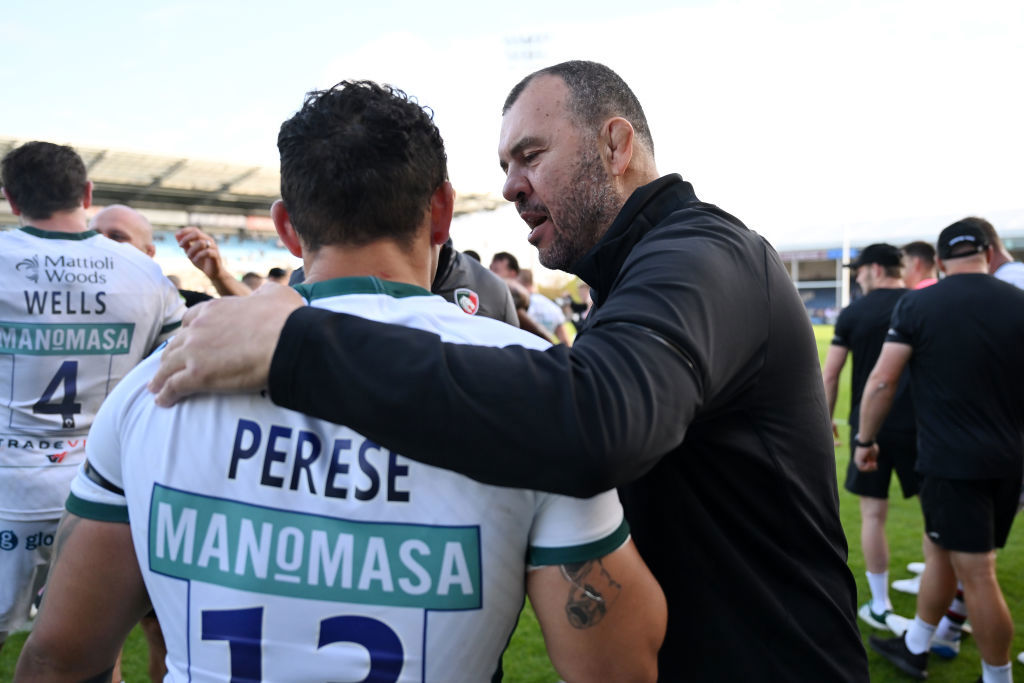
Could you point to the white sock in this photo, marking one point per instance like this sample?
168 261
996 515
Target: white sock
919 636
996 674
879 585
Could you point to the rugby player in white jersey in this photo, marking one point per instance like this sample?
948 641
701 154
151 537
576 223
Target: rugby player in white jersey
276 546
77 312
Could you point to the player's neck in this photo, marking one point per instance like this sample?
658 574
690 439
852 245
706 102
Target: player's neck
60 221
384 259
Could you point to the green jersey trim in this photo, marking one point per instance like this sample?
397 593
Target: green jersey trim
53 235
99 512
358 285
541 557
169 327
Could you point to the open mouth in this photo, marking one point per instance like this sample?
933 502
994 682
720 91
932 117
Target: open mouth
534 219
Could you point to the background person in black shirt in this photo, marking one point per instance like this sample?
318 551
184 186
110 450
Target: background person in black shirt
860 332
694 387
961 339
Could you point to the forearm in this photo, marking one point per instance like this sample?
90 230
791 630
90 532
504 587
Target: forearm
834 361
574 422
831 392
226 285
36 667
874 407
530 325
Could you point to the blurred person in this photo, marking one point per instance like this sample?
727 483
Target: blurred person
521 301
959 338
1002 265
464 282
252 280
579 309
860 332
201 249
695 387
505 265
415 571
77 312
919 270
278 275
472 254
126 225
546 312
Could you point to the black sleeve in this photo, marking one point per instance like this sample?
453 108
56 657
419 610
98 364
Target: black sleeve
576 421
901 326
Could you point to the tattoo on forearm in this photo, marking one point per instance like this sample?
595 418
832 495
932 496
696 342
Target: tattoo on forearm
592 590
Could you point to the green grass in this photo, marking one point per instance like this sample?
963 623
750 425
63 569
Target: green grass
527 661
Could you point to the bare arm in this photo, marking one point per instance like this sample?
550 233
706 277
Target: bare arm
563 335
603 620
202 251
530 325
877 400
835 359
94 596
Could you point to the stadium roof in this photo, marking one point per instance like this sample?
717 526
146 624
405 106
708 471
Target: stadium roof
149 181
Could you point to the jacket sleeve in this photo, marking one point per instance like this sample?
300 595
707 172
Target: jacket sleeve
572 421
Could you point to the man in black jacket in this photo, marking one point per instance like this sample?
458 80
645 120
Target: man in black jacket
694 387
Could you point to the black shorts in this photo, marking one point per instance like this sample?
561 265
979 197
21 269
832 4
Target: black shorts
895 451
969 515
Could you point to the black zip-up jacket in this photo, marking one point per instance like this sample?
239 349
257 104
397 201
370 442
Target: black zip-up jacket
694 387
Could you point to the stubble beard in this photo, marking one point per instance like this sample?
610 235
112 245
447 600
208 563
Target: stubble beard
586 210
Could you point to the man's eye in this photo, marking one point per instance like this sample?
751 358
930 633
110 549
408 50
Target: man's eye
529 156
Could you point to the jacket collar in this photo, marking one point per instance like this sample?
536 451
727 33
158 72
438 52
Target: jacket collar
646 208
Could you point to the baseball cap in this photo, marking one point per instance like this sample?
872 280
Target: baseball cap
961 239
882 254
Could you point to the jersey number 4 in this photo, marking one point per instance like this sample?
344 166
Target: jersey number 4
67 374
243 629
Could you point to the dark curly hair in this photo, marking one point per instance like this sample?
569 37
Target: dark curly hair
359 162
43 178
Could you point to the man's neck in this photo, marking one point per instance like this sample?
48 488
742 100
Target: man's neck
888 283
382 259
999 259
61 221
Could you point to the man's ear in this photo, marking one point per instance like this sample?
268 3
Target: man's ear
285 229
14 207
617 138
442 206
87 195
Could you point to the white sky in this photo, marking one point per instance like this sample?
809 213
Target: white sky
796 116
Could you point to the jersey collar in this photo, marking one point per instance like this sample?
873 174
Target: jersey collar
54 235
358 285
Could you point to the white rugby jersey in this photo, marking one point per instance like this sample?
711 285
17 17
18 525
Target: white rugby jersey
77 312
275 546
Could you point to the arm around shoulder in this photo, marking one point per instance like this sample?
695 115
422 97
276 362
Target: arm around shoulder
603 620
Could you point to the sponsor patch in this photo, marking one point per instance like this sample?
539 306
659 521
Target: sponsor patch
281 552
8 540
468 300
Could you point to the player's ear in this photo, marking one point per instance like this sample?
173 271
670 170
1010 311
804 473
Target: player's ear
617 137
87 195
442 206
14 207
284 227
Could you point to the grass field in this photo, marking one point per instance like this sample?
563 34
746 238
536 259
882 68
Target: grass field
527 661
